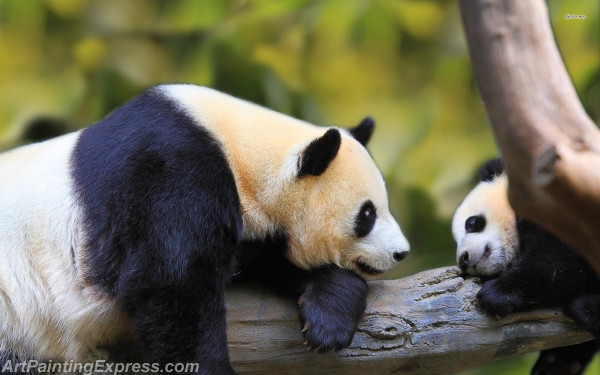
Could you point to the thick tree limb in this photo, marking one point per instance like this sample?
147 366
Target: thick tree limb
550 145
428 323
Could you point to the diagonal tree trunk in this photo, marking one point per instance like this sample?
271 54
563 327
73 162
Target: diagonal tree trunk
550 145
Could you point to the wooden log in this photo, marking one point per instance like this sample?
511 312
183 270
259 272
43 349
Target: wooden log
428 323
550 145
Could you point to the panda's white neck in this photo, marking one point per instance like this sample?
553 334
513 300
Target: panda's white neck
262 176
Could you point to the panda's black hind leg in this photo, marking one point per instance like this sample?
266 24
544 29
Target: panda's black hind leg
567 360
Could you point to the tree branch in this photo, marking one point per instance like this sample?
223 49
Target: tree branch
428 323
550 146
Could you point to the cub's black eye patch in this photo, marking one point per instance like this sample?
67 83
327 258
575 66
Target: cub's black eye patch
475 224
365 220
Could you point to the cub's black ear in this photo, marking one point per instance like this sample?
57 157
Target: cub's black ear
319 153
490 170
363 131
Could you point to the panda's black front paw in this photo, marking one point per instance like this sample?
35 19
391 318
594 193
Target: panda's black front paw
323 330
497 300
331 307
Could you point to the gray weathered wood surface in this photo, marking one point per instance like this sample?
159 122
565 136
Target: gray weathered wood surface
428 323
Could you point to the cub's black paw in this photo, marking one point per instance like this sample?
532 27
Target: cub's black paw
570 360
497 300
585 310
331 307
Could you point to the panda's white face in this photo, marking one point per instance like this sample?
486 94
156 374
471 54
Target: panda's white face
342 216
484 228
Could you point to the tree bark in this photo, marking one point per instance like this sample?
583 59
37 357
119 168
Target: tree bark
428 323
550 146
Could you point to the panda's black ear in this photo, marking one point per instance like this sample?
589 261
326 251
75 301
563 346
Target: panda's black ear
490 170
363 131
319 153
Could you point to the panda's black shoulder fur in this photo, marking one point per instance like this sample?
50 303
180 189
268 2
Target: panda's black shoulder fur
546 273
142 174
162 222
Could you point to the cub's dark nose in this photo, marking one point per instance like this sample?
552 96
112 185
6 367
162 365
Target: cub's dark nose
398 256
463 261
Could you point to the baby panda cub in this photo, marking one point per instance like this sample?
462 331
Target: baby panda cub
524 266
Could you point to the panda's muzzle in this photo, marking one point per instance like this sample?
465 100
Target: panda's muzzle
468 260
463 261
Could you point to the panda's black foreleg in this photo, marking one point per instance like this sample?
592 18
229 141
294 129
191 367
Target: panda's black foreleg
571 360
332 300
544 281
182 321
506 294
171 330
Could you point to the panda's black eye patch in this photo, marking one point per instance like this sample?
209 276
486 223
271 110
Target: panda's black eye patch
365 220
475 224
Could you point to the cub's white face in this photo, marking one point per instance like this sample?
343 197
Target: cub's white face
343 217
484 228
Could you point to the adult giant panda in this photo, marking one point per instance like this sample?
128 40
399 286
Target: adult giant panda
524 266
127 231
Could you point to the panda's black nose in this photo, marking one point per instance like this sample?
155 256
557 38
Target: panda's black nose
398 256
463 261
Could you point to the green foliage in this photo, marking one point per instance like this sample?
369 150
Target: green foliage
404 62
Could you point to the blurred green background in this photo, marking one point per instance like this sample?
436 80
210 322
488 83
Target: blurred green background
68 63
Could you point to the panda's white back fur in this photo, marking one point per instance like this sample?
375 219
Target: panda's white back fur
44 303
